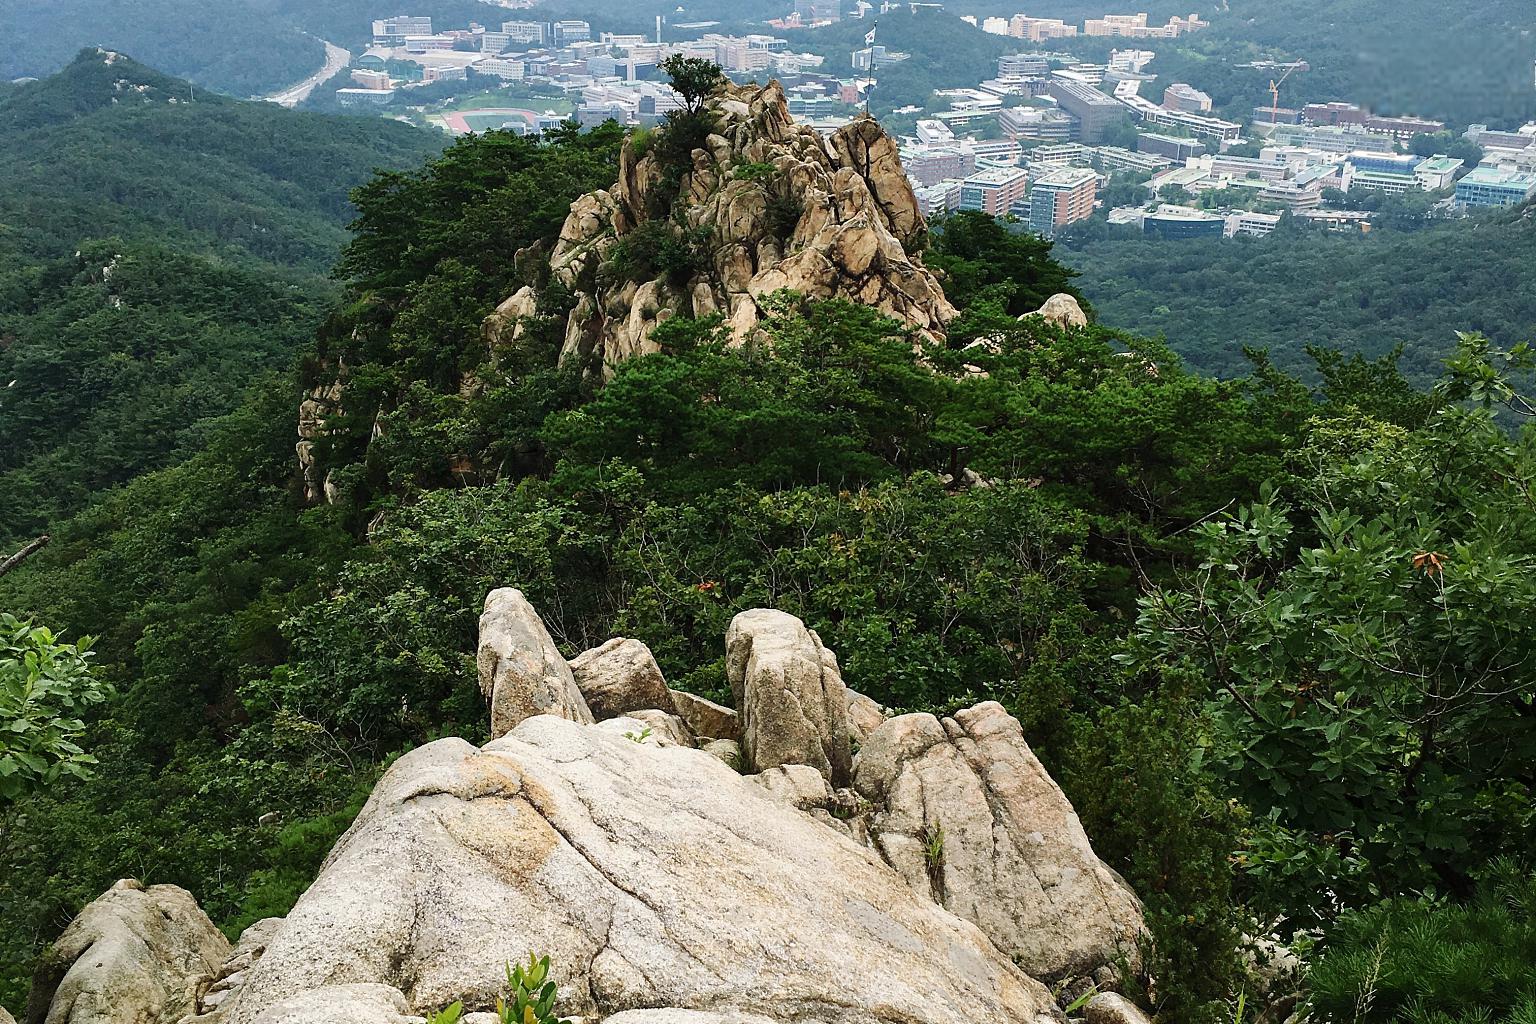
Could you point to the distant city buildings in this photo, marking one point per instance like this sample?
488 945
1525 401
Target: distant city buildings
1175 147
1038 30
395 31
1134 26
1336 114
1342 139
994 190
1037 124
1495 186
1052 111
1202 125
1060 198
1023 65
529 33
1184 97
1094 110
931 166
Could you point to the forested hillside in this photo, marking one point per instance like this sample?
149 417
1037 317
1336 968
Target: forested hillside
1297 288
160 254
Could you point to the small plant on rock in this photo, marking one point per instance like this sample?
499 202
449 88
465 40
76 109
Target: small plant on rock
933 854
448 1015
530 994
639 737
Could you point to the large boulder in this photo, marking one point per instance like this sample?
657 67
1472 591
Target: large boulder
967 814
705 717
619 677
789 695
1062 310
522 672
657 880
134 955
342 1004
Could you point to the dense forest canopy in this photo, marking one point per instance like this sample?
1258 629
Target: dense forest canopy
1297 288
158 257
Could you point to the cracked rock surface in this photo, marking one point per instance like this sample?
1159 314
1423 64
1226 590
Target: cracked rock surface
1011 856
792 704
135 954
656 879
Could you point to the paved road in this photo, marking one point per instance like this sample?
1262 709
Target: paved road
335 59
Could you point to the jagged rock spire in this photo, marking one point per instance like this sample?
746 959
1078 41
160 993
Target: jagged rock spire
766 205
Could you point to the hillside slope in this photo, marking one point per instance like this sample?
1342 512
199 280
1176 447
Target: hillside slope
1299 288
159 254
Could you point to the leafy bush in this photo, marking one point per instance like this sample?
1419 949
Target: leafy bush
530 994
1429 961
756 170
1364 637
46 686
655 248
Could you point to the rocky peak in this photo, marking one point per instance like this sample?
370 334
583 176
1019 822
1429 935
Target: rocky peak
937 875
763 205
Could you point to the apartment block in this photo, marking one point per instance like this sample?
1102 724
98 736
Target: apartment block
931 166
1060 198
1038 30
993 190
1135 26
1495 186
1094 110
1185 97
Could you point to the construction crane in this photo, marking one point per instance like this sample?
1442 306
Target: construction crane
1274 92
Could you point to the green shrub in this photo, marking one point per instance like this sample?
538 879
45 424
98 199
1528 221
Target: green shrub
784 214
530 994
656 248
756 170
640 142
1425 961
45 687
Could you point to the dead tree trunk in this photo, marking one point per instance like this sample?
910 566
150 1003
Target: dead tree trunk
24 554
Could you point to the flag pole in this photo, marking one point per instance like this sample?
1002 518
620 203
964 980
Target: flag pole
869 43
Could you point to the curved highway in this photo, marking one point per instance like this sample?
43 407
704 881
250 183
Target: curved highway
336 58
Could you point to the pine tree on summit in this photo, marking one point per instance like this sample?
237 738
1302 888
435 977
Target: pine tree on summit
694 78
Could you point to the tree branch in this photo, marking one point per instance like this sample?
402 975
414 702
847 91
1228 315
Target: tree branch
24 554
